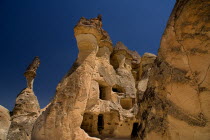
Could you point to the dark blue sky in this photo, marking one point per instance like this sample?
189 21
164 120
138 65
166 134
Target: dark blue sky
44 28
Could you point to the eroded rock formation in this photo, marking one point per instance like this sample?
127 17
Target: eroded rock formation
177 100
4 122
95 99
30 72
112 93
26 108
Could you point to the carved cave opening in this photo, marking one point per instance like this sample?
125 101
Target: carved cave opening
127 103
100 123
104 93
118 89
115 90
134 130
87 123
108 125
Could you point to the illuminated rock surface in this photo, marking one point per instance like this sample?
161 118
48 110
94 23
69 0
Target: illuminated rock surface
26 108
177 100
4 122
112 93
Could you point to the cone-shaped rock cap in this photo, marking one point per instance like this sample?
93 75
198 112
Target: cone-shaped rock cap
94 26
31 69
120 48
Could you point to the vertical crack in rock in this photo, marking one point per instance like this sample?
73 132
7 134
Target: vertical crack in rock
204 76
176 15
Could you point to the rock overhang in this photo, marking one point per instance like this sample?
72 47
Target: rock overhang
94 26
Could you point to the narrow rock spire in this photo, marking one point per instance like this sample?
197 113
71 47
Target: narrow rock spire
99 17
26 109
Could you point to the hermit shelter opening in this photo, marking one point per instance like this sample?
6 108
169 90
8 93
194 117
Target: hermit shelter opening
100 123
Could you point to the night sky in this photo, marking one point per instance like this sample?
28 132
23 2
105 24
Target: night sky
44 28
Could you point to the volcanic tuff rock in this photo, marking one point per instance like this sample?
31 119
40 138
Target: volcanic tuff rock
177 100
26 108
94 99
4 122
112 93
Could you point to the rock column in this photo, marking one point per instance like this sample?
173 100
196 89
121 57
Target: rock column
26 108
63 118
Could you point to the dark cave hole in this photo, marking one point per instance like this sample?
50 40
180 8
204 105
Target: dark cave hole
100 123
102 92
135 130
116 90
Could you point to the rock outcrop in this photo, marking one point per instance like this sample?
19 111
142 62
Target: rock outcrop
177 100
111 93
26 108
4 122
97 98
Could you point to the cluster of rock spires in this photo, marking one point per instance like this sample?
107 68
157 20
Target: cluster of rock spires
113 93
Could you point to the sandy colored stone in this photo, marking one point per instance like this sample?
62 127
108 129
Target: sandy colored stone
176 102
24 115
94 100
26 109
112 93
4 122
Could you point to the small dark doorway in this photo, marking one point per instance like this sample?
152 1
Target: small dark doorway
100 123
134 133
102 92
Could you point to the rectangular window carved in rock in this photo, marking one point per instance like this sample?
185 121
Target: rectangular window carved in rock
104 92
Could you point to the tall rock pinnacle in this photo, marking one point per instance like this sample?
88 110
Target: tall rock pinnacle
26 108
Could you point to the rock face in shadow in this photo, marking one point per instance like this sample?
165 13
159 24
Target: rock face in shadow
4 122
26 108
177 100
